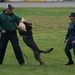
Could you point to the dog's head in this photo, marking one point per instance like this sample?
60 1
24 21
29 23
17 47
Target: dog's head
28 26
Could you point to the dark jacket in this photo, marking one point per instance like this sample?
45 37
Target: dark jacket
71 30
8 24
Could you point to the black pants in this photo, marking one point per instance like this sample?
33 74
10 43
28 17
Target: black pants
69 46
12 36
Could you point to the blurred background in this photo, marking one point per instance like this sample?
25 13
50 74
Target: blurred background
33 0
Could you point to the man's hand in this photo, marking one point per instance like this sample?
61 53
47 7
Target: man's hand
73 42
3 31
65 41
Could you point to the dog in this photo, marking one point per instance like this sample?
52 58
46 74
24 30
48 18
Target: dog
27 36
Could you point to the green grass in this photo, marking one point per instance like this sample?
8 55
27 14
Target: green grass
49 29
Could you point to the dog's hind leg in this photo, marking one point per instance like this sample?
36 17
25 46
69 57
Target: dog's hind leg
37 57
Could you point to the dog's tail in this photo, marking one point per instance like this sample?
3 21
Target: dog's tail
46 51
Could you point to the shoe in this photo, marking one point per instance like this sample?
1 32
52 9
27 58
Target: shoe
48 51
70 63
0 63
22 64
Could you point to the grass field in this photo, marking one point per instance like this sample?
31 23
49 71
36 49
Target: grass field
49 29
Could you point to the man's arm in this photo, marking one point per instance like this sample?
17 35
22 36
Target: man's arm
0 26
67 36
17 19
1 29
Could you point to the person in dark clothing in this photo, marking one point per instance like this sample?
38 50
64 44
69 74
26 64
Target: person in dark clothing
71 39
29 41
8 32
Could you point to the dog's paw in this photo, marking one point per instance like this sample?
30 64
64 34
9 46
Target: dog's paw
42 63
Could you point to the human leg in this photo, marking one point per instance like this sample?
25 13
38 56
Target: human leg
3 42
17 49
68 53
73 46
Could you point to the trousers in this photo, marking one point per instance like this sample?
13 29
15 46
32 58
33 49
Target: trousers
12 36
69 46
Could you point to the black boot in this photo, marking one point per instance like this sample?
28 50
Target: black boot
70 63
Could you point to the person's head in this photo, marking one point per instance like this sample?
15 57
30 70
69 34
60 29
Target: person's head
72 16
9 9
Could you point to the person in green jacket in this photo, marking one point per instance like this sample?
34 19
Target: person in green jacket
8 32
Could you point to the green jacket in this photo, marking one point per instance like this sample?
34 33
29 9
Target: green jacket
8 25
